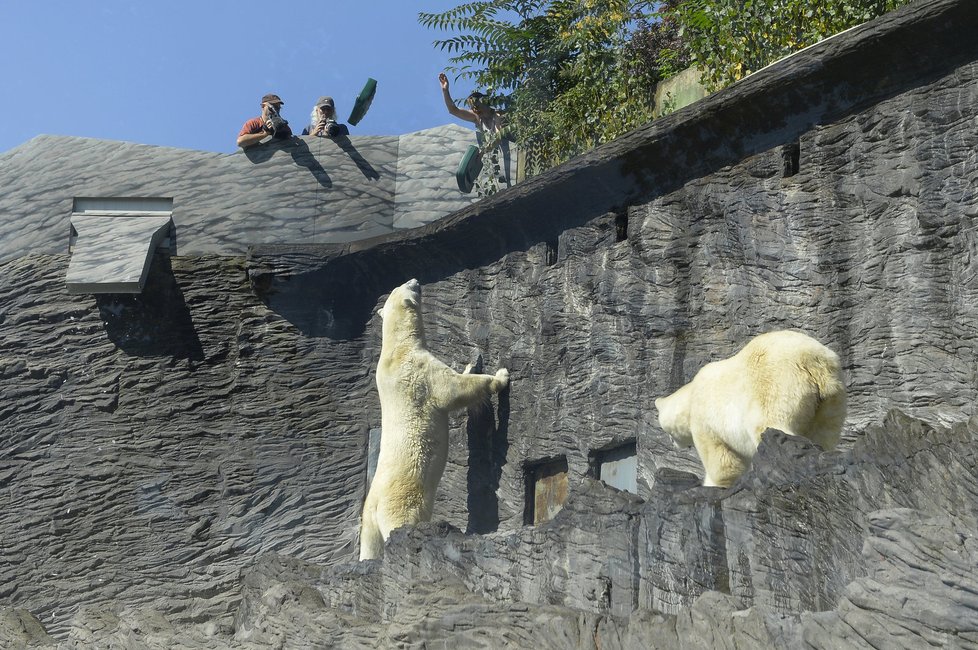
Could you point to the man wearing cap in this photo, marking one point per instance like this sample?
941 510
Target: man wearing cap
322 121
266 126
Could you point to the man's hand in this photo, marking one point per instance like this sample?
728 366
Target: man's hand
266 114
444 81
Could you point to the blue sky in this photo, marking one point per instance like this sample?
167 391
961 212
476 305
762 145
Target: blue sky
188 74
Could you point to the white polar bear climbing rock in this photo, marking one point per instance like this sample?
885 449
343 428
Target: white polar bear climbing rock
417 392
784 380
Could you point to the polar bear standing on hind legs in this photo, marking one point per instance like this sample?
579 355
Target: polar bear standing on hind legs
784 380
417 392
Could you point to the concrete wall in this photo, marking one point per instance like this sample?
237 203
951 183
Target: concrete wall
312 190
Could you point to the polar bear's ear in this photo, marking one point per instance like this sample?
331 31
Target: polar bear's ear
380 312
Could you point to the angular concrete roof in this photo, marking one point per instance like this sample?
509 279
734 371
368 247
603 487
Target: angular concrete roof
305 190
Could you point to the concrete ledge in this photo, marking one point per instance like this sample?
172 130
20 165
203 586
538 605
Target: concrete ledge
113 253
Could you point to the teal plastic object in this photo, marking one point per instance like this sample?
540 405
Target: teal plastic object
468 169
363 101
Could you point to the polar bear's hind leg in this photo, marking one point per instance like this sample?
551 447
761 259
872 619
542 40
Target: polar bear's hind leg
371 541
722 464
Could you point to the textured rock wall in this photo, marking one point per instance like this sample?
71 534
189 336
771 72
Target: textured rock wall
152 442
184 468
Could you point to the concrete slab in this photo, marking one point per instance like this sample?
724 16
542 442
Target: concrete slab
112 253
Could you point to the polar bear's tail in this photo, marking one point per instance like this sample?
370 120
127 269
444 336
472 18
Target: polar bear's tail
830 412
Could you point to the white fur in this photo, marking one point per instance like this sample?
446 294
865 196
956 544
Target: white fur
417 392
784 380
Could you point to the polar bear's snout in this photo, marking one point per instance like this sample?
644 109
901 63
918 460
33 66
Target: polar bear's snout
413 285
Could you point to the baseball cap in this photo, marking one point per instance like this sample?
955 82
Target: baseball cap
272 98
325 101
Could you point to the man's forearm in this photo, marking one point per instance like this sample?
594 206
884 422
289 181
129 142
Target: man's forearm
449 104
250 139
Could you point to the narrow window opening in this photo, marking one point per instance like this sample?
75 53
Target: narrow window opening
546 490
551 252
791 157
621 227
616 466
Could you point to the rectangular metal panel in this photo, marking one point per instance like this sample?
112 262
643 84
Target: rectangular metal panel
549 490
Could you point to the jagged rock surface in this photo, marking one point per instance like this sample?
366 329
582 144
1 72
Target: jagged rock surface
910 584
184 468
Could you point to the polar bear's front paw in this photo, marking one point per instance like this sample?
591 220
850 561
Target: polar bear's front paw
501 380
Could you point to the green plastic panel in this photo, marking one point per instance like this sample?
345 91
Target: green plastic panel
363 101
468 169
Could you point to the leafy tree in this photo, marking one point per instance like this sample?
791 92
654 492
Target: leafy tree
729 39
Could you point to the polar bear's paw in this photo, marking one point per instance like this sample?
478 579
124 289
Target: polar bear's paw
501 381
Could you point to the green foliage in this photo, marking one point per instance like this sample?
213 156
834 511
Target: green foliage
729 39
494 51
572 74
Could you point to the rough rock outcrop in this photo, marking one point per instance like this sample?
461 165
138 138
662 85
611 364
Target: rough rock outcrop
583 580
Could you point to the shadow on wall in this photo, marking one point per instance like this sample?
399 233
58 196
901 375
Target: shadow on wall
319 304
154 323
333 290
365 167
488 444
300 153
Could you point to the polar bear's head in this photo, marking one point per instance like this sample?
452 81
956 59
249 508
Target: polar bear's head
674 416
402 313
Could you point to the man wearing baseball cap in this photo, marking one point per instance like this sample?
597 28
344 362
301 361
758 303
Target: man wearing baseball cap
266 126
322 121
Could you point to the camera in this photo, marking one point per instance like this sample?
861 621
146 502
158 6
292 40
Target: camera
330 128
275 122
